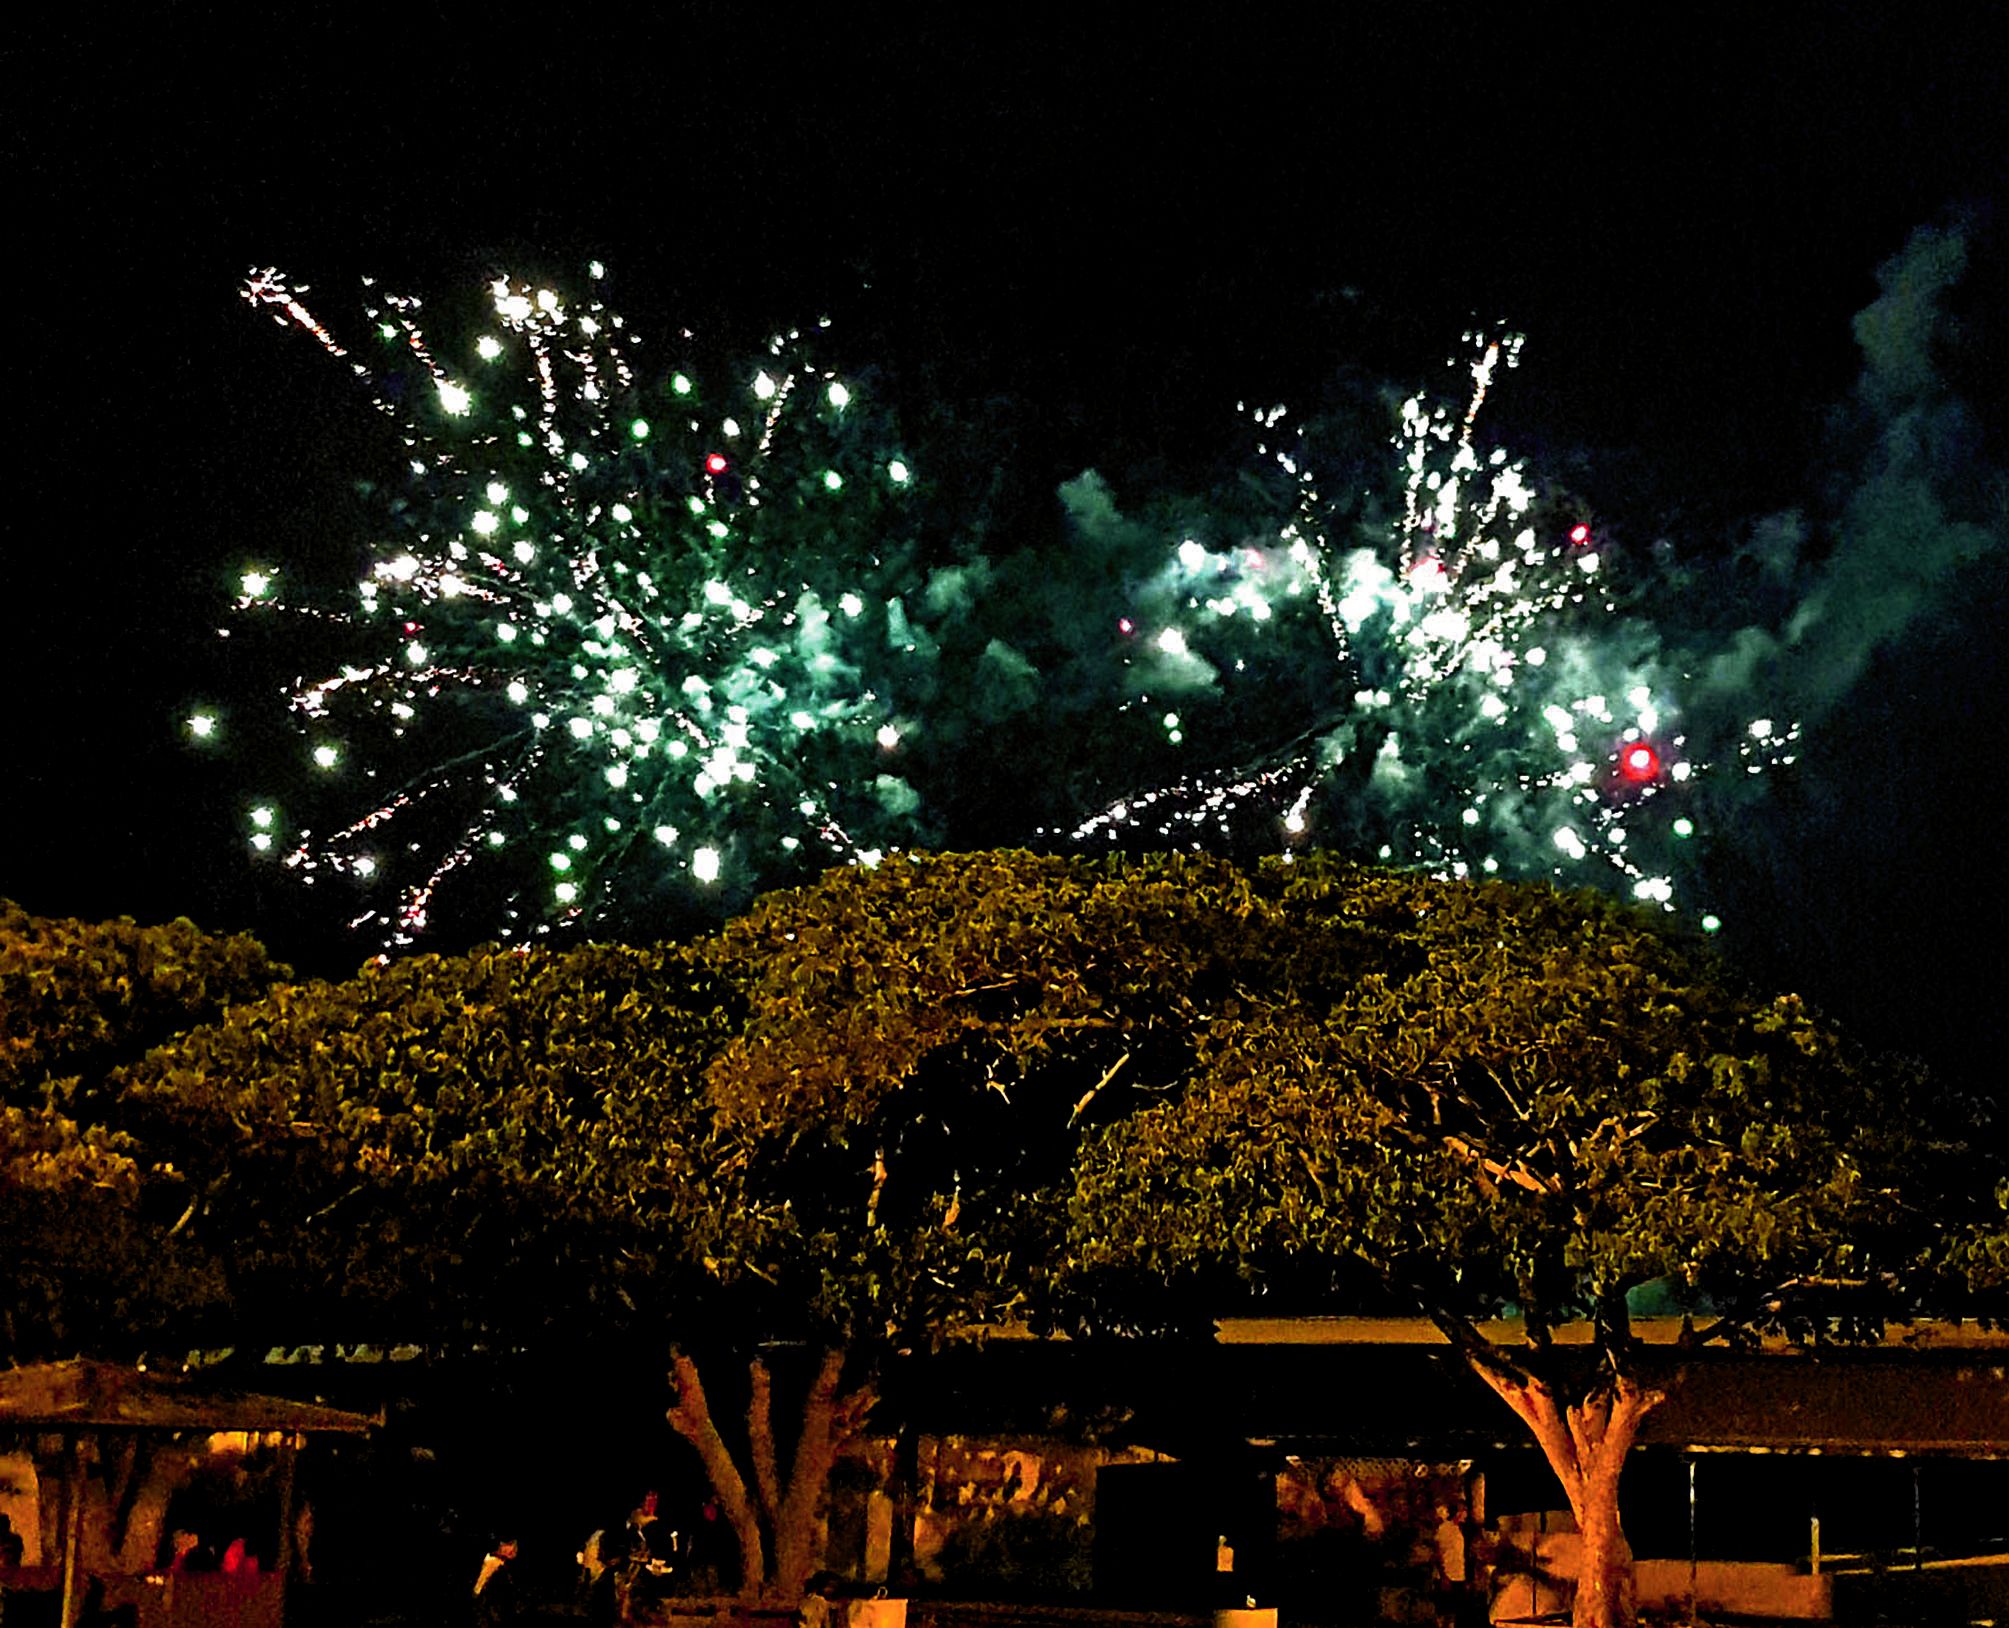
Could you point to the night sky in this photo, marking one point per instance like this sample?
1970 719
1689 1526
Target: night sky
1118 230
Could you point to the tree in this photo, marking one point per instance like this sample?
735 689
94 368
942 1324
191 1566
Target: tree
842 1126
424 1153
920 1048
91 1261
1519 1100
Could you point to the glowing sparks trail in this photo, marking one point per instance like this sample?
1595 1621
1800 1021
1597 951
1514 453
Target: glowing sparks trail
633 639
1492 707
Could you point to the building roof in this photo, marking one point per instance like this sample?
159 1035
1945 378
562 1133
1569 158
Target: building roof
89 1395
1405 1401
1841 1402
1927 1334
1393 1390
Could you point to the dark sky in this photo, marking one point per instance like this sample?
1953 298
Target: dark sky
1128 225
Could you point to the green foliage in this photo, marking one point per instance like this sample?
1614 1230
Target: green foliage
924 1043
76 997
444 1147
85 1267
90 1261
1521 1100
1020 1552
961 1090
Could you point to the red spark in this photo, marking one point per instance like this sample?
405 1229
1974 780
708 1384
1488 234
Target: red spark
1639 763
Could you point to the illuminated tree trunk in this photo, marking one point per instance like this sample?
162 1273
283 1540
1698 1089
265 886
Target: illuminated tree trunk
776 1521
1586 1443
125 1502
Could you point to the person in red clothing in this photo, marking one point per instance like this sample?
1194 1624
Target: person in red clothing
497 1603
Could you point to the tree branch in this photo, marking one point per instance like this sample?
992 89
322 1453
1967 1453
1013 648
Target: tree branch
1518 1174
689 1414
1096 1088
760 1439
1533 1402
1476 1349
827 1423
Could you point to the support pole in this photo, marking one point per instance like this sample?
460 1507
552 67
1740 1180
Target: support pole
1917 1521
906 1502
289 1453
1535 1564
1478 1580
1691 1543
73 1531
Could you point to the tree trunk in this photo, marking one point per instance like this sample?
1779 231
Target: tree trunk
827 1425
778 1524
1586 1444
690 1416
1607 1587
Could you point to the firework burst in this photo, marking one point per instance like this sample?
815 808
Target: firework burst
647 640
637 637
1493 704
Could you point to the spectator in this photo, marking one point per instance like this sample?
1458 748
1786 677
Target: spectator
497 1603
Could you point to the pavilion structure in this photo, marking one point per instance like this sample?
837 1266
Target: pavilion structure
92 1451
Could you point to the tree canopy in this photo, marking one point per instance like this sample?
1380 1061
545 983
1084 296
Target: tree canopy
87 1262
77 997
1524 1099
845 1117
959 1091
444 1148
926 1042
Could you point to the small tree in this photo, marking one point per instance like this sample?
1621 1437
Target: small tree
1521 1101
93 1256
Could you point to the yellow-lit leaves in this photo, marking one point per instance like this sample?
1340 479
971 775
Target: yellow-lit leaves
1519 1098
